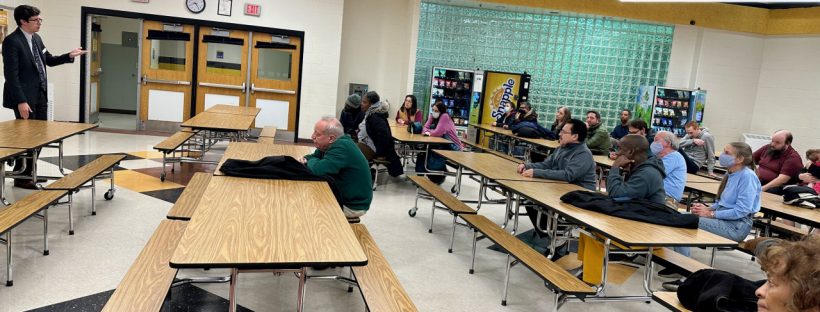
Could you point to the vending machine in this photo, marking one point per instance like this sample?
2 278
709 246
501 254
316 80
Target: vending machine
455 88
669 109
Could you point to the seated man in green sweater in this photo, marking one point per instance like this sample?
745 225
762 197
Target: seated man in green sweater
338 157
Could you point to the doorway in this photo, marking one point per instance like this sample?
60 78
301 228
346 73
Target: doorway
114 53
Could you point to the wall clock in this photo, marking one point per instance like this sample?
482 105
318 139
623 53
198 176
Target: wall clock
195 6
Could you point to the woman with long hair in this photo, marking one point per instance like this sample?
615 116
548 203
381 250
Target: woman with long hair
439 124
409 111
561 117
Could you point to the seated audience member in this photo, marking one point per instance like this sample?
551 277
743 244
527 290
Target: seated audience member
737 200
506 119
409 111
778 163
792 276
812 175
375 135
699 145
597 139
645 172
562 116
526 122
644 180
622 129
571 162
792 283
337 156
665 147
352 115
439 124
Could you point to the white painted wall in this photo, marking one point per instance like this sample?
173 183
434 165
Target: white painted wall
114 26
727 65
377 47
321 20
789 90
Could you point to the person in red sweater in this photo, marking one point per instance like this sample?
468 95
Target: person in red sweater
778 163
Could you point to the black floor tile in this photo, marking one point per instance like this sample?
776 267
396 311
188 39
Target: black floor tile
183 298
169 195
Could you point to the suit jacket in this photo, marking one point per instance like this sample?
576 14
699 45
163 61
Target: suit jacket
22 81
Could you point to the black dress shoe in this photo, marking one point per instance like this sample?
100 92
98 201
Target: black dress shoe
25 184
42 180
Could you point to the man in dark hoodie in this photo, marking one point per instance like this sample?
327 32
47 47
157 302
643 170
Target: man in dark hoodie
644 180
571 162
375 136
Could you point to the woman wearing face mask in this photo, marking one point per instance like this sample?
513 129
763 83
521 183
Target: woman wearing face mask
439 124
561 117
506 119
738 196
409 111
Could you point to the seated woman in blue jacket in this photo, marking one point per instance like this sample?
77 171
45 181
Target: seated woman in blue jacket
738 197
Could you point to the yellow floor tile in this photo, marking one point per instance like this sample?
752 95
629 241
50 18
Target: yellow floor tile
619 273
147 154
140 182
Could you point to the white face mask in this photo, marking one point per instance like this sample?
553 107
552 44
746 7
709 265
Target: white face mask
435 114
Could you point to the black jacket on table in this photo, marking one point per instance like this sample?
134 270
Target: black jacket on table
22 80
379 131
634 209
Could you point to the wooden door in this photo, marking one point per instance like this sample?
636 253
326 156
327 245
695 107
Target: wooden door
222 68
166 63
274 80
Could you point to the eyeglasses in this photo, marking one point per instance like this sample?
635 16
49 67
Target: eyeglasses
36 20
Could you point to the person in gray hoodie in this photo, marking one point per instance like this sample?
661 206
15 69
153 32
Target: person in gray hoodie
644 179
571 162
699 144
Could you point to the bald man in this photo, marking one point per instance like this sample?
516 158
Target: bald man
778 163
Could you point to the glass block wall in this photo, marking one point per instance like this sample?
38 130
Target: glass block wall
582 62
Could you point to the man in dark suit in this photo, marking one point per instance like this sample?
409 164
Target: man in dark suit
24 57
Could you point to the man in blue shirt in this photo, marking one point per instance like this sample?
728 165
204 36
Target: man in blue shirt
623 129
665 147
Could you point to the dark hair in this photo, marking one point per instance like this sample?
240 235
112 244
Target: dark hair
597 114
637 143
523 103
560 123
789 138
442 109
25 12
372 97
628 112
578 127
813 154
638 124
413 107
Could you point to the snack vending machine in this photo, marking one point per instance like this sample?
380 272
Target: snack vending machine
669 109
454 87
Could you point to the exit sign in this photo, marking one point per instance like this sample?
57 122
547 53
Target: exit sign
252 9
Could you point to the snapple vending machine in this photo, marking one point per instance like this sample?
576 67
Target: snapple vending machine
501 88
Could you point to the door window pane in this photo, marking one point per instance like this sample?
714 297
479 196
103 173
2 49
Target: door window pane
274 64
168 55
224 59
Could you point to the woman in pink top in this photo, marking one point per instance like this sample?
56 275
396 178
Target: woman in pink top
439 124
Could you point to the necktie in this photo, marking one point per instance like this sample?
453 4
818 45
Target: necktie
41 71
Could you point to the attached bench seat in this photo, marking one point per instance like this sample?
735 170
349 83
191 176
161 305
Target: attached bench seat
187 202
268 132
102 167
147 282
20 211
265 140
171 145
669 258
379 285
440 195
559 280
669 300
771 226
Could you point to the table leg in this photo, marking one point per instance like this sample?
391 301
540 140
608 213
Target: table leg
34 156
300 302
515 214
232 294
458 179
604 269
3 183
647 278
481 189
59 158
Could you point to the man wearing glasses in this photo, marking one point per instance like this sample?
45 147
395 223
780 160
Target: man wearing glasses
24 60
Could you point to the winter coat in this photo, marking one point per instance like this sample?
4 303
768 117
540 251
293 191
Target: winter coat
643 182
